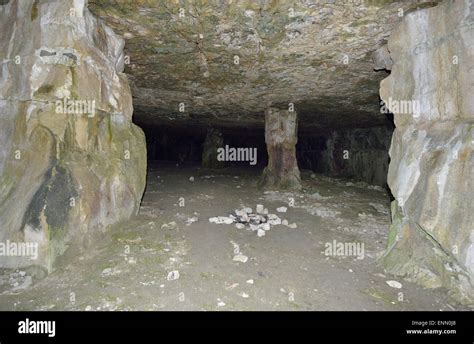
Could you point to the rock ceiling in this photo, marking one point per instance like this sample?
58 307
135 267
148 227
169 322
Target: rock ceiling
226 61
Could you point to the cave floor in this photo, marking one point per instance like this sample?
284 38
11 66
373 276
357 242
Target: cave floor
128 268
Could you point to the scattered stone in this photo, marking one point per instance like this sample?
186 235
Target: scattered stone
244 295
220 303
282 209
232 286
394 284
173 275
261 220
240 213
191 220
273 220
240 258
106 272
250 281
293 226
253 227
88 308
221 220
171 225
260 232
284 222
191 179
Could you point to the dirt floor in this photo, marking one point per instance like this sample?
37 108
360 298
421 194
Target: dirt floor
151 263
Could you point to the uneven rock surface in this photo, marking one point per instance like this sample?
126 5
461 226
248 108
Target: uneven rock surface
360 154
71 161
432 161
227 61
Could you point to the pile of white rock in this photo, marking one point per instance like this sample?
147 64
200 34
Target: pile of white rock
261 221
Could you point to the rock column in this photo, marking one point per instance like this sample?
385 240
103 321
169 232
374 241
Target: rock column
212 143
281 136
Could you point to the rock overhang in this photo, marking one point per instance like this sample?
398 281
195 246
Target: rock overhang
223 62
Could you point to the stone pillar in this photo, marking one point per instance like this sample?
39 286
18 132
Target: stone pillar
281 136
429 91
212 143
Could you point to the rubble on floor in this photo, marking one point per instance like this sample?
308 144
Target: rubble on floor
260 222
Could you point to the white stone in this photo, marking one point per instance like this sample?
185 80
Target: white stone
173 275
259 209
394 284
191 179
221 220
170 225
250 281
284 222
260 232
240 225
240 213
191 220
253 227
282 209
273 219
293 225
240 258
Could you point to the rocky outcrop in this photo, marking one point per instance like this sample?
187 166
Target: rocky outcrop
71 161
360 154
281 136
429 91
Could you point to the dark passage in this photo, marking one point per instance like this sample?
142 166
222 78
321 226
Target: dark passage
360 154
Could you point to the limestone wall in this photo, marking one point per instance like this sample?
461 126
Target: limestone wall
71 161
432 162
360 154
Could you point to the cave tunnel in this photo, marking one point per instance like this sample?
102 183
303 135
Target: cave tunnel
236 155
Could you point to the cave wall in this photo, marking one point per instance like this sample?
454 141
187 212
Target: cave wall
431 239
360 154
71 161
